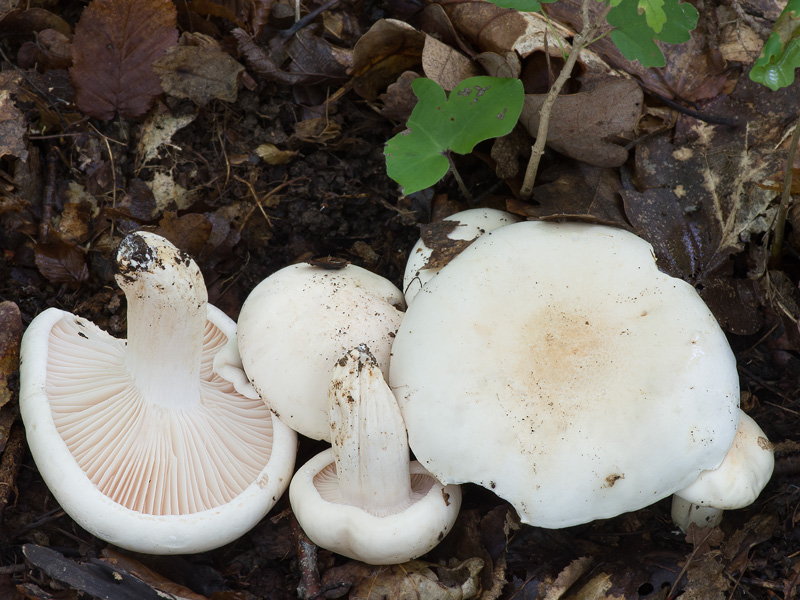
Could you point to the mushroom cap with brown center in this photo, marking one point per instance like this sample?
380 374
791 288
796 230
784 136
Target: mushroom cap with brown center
556 365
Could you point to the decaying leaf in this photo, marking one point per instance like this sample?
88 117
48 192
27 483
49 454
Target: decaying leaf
12 128
10 336
273 155
157 131
200 73
413 579
443 249
61 262
445 65
576 191
388 49
115 45
584 125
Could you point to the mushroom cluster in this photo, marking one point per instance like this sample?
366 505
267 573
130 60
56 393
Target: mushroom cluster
141 441
552 363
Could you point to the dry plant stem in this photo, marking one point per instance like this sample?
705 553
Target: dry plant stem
786 198
580 40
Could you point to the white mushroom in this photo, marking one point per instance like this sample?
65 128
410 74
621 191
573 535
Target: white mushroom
296 324
469 225
141 442
362 498
556 365
735 483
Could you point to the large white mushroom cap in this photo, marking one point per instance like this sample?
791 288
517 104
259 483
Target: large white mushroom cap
556 365
299 321
141 441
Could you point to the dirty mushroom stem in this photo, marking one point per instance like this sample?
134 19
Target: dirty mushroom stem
166 318
369 437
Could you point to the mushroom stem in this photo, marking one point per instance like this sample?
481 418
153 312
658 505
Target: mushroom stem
167 315
368 435
685 512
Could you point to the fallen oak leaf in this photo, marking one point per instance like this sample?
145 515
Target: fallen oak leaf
115 45
582 125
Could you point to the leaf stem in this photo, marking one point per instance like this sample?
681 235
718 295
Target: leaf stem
461 185
786 198
578 43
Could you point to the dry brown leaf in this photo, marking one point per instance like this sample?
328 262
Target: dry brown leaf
200 73
315 60
273 155
445 65
115 45
388 49
584 125
399 99
61 262
189 232
576 191
411 580
12 128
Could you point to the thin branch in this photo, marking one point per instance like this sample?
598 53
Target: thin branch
580 40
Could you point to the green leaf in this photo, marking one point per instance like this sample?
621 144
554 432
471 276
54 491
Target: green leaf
781 53
479 108
522 5
654 13
636 39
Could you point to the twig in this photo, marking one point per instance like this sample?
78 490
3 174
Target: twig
51 162
309 586
729 121
578 42
786 198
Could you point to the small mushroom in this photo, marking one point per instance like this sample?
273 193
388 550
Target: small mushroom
296 324
468 225
556 365
141 441
735 483
362 498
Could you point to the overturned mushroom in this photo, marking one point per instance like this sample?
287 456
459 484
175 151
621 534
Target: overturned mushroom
556 365
141 441
363 498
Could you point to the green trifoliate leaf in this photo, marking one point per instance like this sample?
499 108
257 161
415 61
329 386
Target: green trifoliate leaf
479 108
781 53
636 39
